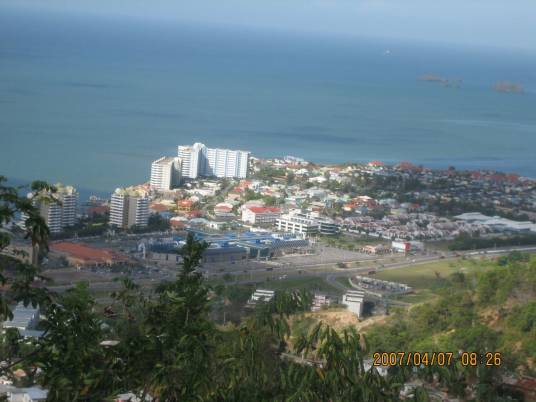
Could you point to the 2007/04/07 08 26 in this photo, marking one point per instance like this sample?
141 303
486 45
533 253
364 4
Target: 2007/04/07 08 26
436 358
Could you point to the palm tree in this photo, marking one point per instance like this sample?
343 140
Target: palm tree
37 231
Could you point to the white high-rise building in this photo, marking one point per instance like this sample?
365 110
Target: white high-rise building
129 208
227 163
193 159
60 213
166 173
198 160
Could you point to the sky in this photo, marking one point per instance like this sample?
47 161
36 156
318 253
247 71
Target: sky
489 23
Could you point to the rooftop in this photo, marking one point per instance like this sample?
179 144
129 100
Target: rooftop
88 254
264 210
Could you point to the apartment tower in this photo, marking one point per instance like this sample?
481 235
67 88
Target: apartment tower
129 208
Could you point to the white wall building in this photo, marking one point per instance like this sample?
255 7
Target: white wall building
306 224
260 215
261 295
198 160
61 214
192 158
24 318
129 208
354 300
166 173
227 163
28 394
497 223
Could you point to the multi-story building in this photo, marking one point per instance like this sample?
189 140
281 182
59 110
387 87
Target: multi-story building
192 157
291 223
198 160
260 215
129 208
306 224
166 173
226 163
60 211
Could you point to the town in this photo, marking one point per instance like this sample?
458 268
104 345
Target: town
283 223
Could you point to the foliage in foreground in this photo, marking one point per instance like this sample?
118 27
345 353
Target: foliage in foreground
165 346
492 310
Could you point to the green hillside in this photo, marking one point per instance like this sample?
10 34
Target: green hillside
490 307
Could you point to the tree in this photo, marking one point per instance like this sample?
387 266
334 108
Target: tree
73 362
21 274
163 344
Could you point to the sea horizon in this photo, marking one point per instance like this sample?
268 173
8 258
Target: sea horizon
106 99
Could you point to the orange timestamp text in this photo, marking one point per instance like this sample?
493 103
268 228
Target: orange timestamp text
436 359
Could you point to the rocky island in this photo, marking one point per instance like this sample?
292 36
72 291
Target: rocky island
456 83
507 86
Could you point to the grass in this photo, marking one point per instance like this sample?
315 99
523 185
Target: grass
351 242
439 245
430 275
343 280
311 283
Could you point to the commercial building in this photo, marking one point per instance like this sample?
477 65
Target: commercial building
354 300
129 208
376 249
224 254
260 215
228 247
407 246
166 173
81 255
60 212
497 223
198 160
306 224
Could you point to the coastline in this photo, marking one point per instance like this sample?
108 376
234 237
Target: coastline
85 192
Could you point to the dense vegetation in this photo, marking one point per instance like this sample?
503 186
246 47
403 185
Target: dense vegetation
493 310
468 242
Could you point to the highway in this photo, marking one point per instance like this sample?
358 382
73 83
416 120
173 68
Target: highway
328 272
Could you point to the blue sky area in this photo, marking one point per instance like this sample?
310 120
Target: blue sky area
480 23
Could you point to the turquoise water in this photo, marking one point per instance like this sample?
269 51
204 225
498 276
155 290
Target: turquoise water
92 102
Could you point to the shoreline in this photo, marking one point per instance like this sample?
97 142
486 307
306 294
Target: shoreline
86 192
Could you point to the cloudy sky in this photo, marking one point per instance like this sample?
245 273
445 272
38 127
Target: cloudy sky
495 23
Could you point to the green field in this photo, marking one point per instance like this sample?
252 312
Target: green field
430 275
349 242
343 280
311 283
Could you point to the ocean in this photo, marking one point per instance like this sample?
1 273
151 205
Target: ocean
91 102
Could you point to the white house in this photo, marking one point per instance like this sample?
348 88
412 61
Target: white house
354 300
260 295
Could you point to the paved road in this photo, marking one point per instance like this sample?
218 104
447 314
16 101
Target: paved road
316 269
331 278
